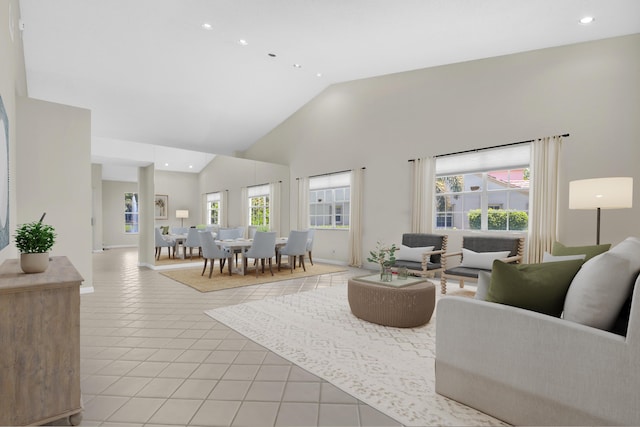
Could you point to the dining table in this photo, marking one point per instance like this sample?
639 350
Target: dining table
242 245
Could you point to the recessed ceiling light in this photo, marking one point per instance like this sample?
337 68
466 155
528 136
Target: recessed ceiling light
243 42
587 20
318 74
297 66
166 164
207 26
190 166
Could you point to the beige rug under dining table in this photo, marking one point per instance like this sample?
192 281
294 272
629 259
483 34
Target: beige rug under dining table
243 245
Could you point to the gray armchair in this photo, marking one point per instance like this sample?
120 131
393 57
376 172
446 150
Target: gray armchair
511 247
429 262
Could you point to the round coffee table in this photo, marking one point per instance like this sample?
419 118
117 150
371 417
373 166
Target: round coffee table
399 303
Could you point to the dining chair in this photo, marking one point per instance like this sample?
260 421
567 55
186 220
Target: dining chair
227 233
239 232
312 233
232 234
252 231
262 248
211 251
164 242
193 241
296 247
179 230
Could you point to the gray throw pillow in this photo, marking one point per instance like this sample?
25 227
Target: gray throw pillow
484 280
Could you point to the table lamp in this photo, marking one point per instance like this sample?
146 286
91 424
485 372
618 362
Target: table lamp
182 214
601 193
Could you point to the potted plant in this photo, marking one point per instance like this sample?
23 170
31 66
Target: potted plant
34 240
385 257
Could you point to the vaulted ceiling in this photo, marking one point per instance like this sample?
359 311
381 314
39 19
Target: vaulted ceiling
214 76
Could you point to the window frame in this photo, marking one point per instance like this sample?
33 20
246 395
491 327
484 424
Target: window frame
263 194
213 198
326 202
480 180
135 225
468 192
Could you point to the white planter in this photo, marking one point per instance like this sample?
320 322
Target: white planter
34 263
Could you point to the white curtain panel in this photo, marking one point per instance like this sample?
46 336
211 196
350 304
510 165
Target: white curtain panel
355 227
244 207
543 196
424 178
224 210
274 206
303 203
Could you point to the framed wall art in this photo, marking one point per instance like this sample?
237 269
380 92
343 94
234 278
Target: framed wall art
162 206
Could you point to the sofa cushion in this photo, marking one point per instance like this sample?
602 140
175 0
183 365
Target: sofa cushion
547 257
590 251
405 253
598 291
621 323
484 280
484 260
629 249
537 287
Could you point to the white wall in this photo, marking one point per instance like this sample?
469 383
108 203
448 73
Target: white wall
182 189
113 234
53 175
231 173
590 90
96 207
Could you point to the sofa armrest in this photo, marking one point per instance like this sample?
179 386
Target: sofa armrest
516 352
511 259
450 254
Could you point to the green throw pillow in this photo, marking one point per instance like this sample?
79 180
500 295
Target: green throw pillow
536 287
165 229
590 251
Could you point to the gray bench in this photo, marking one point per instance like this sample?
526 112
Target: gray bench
431 261
515 246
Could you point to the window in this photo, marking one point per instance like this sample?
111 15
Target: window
484 190
259 205
131 213
329 200
213 208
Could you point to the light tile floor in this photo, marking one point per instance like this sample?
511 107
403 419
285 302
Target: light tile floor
151 357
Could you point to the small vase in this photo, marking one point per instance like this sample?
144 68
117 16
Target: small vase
385 274
35 262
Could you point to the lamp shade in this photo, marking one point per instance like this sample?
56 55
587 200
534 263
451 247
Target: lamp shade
603 193
182 214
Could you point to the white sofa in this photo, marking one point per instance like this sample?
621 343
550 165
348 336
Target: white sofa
527 368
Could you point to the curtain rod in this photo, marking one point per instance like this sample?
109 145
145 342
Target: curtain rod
259 185
331 173
566 135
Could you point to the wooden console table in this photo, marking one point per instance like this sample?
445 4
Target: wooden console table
40 344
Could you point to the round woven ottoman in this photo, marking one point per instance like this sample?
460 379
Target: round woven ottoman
401 307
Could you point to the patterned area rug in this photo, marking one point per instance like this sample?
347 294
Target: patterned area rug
390 369
193 276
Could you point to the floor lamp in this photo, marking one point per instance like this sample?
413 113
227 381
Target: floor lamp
182 214
601 193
